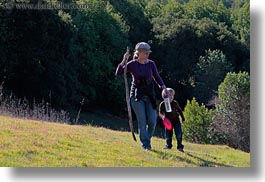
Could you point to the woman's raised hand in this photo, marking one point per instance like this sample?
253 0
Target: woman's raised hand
126 56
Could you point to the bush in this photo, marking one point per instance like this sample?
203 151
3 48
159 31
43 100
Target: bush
233 111
198 119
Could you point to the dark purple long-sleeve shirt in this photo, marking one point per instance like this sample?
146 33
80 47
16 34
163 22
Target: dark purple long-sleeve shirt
146 71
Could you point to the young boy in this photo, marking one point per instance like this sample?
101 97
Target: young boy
174 119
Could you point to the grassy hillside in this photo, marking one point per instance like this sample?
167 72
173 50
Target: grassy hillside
27 143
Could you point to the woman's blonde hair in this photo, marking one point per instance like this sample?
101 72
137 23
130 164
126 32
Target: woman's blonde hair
169 90
135 54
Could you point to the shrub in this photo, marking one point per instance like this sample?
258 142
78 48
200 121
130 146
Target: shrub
198 119
233 110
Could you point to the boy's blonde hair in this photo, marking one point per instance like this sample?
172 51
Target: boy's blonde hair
169 90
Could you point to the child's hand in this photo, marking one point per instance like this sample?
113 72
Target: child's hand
165 90
163 116
183 122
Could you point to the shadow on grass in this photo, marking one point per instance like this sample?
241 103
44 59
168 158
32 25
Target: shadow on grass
206 163
168 156
201 162
100 119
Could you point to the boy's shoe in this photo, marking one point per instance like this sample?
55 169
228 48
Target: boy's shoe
146 148
166 147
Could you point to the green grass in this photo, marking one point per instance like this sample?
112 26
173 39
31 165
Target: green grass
27 143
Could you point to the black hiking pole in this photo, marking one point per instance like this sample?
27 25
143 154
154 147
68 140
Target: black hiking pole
128 97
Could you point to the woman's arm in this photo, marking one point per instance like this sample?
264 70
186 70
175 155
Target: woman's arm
157 77
119 69
121 66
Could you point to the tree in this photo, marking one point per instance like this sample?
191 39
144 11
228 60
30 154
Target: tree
37 55
209 72
153 9
132 12
233 108
64 55
214 10
181 43
241 23
99 45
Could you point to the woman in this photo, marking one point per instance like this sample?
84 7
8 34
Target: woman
144 72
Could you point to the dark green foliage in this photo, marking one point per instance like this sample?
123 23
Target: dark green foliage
182 42
100 43
214 10
65 55
207 78
37 54
241 23
132 12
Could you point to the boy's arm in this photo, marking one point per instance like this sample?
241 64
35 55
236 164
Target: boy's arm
181 113
182 116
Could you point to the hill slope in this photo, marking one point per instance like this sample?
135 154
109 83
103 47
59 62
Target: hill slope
27 143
